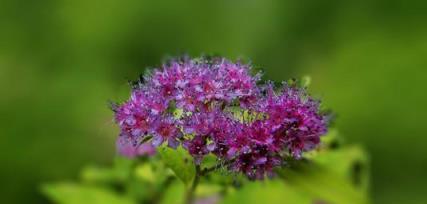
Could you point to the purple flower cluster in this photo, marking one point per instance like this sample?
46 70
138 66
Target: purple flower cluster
215 106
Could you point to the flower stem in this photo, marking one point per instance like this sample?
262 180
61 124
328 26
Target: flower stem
156 198
189 197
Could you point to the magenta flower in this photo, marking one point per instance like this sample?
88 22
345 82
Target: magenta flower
217 106
166 130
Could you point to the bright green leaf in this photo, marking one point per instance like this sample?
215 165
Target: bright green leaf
145 172
69 193
330 176
269 191
180 162
305 81
205 189
351 163
95 174
174 194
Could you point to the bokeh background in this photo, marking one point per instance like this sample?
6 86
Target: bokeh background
60 61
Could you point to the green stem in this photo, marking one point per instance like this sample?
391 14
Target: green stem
189 197
156 198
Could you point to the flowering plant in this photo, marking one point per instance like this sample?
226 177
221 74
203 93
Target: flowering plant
215 106
217 127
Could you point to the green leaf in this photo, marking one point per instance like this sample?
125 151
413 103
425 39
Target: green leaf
331 176
205 189
94 174
145 172
350 163
139 190
305 81
120 172
208 161
123 168
174 194
269 191
180 162
70 193
333 136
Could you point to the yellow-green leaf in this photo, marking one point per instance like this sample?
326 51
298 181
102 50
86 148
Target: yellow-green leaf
70 193
180 162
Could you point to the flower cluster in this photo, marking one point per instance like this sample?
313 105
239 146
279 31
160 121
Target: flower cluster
215 106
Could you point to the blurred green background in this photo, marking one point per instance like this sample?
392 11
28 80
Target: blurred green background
60 61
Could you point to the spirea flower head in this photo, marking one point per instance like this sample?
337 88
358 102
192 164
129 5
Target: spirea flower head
220 107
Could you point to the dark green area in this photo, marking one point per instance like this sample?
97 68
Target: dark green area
60 61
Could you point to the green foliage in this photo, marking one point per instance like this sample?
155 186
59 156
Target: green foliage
174 194
208 189
180 162
145 172
331 174
121 171
274 192
70 193
332 178
305 81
